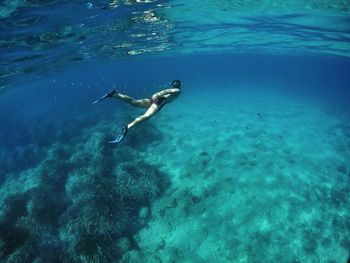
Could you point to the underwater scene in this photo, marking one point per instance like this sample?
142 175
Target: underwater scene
160 131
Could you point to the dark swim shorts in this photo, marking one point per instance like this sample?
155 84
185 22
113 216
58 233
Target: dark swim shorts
160 102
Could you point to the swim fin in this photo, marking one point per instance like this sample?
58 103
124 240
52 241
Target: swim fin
121 136
107 95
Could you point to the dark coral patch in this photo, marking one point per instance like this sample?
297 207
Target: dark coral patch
342 169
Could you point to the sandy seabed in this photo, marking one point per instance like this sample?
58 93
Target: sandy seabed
255 178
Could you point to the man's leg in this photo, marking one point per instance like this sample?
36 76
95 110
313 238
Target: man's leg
148 114
143 103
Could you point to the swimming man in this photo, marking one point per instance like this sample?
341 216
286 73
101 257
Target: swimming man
154 104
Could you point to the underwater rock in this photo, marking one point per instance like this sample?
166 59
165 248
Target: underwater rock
196 199
141 183
132 256
144 212
172 203
205 163
310 246
122 245
204 153
342 169
46 206
144 215
16 206
12 238
55 173
11 235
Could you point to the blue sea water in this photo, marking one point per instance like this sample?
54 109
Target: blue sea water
251 163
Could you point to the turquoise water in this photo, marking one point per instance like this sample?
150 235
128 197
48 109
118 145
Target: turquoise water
249 164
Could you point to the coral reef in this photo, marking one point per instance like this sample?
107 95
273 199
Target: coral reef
140 183
86 205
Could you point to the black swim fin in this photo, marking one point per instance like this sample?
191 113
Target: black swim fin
107 95
121 136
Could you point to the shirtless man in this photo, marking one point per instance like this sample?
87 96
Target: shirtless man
154 104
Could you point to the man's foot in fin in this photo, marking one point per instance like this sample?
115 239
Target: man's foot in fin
107 95
121 136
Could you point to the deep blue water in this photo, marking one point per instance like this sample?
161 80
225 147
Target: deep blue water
323 78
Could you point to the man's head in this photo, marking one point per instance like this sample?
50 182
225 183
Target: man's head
176 84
